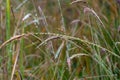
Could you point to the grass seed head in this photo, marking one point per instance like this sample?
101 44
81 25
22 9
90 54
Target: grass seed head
87 10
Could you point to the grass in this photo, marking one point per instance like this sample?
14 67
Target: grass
59 40
8 35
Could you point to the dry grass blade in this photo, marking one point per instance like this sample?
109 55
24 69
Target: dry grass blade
84 1
48 39
13 38
77 55
44 18
15 62
100 76
59 50
19 6
89 10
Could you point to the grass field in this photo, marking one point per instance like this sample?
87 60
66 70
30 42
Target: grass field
59 39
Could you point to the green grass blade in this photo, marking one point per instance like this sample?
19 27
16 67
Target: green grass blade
8 48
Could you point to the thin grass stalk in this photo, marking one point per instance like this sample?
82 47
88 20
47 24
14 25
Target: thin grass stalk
61 13
8 47
21 55
96 50
21 58
15 62
62 71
